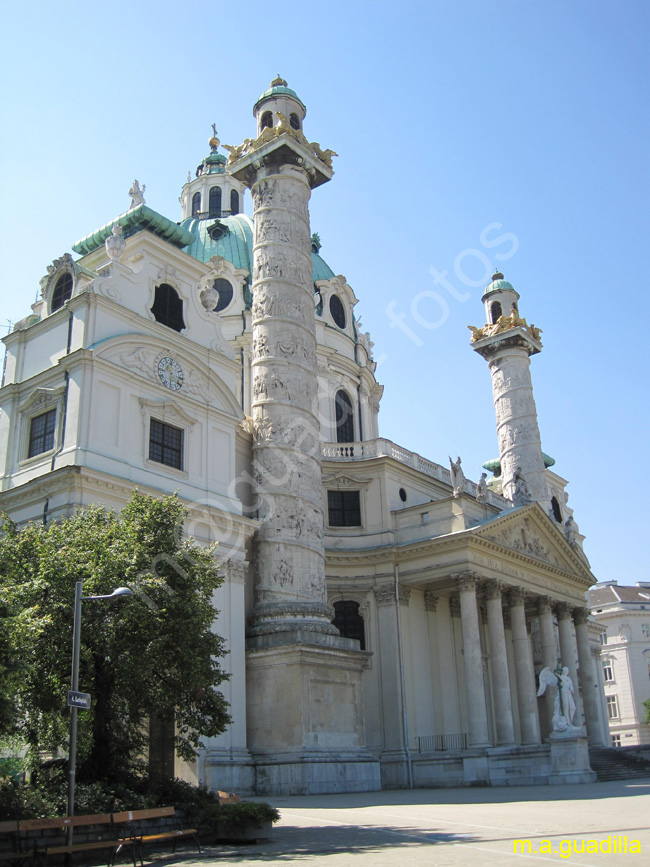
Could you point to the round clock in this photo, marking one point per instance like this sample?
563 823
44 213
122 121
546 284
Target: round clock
170 373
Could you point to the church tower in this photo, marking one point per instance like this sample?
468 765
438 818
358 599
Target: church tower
506 342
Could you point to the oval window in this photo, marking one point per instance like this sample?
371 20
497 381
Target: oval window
337 310
224 288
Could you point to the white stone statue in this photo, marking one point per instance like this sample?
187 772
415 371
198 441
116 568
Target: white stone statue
520 494
482 489
137 194
457 477
564 707
570 530
115 243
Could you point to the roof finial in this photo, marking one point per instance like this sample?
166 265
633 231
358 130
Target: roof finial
214 141
278 82
497 275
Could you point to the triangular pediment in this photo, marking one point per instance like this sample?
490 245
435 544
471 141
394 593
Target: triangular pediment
529 532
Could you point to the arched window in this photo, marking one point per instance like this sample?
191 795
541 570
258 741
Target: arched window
62 291
234 202
294 120
337 310
267 119
557 512
344 418
495 311
224 288
214 202
168 307
196 204
349 621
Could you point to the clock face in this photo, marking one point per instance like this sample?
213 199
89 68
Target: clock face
170 373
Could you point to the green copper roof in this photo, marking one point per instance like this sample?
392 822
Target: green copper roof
494 466
278 88
232 238
498 284
135 220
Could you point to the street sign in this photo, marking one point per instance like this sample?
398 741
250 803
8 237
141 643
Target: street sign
79 700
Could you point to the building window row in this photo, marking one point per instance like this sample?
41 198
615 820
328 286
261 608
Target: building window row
215 202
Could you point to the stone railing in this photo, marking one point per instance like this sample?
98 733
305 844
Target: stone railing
381 447
442 743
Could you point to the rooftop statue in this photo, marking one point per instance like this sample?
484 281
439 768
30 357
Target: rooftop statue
457 477
137 194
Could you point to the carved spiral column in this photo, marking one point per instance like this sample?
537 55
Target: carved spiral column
587 681
505 730
524 672
568 654
478 721
290 588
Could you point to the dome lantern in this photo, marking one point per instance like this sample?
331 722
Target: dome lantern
279 99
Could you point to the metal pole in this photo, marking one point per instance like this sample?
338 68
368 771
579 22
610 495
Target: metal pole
72 761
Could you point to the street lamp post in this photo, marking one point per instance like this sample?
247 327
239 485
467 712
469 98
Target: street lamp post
76 642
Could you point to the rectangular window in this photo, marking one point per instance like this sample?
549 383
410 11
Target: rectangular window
603 638
41 433
166 444
344 508
645 629
616 740
608 670
612 707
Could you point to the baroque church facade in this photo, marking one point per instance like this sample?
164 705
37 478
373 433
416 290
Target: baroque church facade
386 618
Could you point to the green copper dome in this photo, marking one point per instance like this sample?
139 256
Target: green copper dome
498 284
232 238
279 88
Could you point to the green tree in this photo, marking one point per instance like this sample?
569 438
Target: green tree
152 655
646 705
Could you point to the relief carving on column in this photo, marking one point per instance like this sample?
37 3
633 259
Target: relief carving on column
431 600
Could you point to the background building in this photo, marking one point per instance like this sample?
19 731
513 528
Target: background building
386 616
624 612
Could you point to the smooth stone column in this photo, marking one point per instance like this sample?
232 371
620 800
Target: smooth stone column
524 673
568 655
589 694
505 729
549 654
431 607
478 721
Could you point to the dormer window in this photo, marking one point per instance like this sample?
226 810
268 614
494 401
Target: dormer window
294 120
267 119
214 202
196 204
337 310
168 307
62 291
234 202
495 311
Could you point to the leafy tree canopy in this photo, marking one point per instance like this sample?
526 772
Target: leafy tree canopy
151 654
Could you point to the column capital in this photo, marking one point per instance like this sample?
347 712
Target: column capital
493 589
467 581
581 615
544 604
431 600
385 594
236 570
563 610
517 596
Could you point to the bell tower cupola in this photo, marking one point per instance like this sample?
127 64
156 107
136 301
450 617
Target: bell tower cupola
277 104
213 192
506 342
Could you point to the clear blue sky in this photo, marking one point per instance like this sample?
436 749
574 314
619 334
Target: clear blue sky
449 117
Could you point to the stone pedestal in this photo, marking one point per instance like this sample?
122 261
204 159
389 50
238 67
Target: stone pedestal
569 759
306 726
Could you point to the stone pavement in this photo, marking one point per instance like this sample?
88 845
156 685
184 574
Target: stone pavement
451 827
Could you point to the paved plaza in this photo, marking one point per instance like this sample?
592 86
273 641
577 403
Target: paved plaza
455 827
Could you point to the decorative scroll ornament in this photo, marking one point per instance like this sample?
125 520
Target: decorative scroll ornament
505 323
269 133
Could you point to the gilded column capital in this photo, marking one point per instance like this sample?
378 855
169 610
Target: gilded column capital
581 615
431 600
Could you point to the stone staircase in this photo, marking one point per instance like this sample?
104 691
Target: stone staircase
618 763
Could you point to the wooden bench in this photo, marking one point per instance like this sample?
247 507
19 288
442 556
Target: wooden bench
45 837
17 852
132 828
